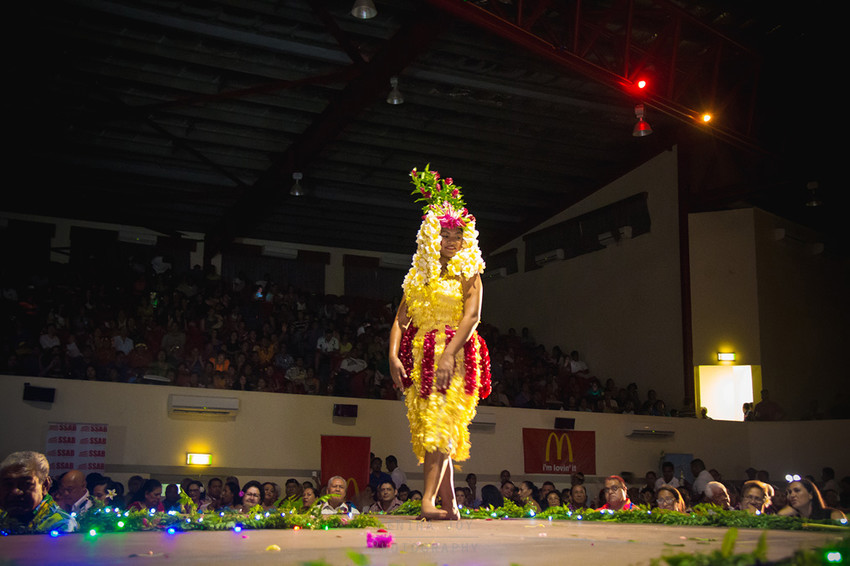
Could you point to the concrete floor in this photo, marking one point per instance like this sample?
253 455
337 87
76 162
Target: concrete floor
525 542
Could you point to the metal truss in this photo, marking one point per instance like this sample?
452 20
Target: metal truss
691 67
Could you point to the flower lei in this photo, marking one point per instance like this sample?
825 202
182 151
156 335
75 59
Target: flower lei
444 208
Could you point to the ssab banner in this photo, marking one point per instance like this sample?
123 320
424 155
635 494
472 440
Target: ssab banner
551 451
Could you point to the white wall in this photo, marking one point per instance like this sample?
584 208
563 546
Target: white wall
772 301
275 436
620 307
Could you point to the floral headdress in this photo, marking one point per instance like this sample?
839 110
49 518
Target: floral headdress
444 208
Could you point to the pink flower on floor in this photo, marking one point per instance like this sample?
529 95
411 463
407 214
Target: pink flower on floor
382 539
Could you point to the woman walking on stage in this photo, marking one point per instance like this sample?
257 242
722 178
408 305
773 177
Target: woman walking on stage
436 356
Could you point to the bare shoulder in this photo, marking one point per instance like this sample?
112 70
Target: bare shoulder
473 283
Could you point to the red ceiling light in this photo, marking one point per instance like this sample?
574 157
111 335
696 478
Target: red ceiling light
641 84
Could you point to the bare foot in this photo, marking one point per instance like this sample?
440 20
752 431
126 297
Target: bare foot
431 513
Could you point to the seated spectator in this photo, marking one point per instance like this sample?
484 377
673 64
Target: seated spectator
292 495
767 409
309 497
403 493
149 496
553 499
27 507
545 489
193 490
376 475
107 492
578 497
337 503
669 498
716 494
271 496
701 478
577 366
213 493
72 494
509 491
252 495
667 477
647 496
171 501
346 377
615 495
755 497
386 499
491 496
528 494
366 498
460 498
230 500
804 500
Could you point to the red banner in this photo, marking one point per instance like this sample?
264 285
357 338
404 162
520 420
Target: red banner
346 456
550 451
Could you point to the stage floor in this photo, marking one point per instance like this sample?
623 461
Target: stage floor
524 542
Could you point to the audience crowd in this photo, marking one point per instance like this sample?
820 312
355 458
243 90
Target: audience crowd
32 500
201 330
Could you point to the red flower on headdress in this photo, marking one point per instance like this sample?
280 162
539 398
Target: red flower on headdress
449 221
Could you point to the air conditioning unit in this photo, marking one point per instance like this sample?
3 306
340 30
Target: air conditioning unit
483 422
276 251
395 262
649 432
130 237
554 255
499 273
203 405
606 239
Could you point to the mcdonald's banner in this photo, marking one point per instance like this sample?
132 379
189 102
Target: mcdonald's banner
346 456
550 451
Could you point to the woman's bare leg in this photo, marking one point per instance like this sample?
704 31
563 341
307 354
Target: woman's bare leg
446 492
434 471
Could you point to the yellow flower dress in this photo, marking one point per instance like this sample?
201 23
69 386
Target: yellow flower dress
439 420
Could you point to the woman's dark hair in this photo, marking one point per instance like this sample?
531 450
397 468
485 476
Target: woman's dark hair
817 499
252 483
535 491
545 502
490 495
677 495
234 489
146 488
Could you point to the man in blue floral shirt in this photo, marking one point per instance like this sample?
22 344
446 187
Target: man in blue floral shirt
25 505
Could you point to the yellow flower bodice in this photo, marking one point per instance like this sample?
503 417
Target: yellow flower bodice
437 304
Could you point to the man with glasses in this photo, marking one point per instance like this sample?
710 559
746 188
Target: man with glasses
616 498
72 494
755 497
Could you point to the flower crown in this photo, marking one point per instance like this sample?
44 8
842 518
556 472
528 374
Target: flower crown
444 208
441 196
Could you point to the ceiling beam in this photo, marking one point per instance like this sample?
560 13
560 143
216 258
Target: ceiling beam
270 190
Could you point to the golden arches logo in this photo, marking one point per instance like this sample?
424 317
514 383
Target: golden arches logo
350 481
559 446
